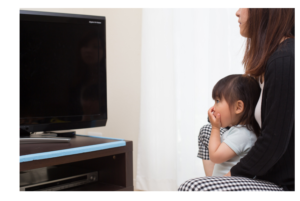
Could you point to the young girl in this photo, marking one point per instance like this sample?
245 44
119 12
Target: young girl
235 99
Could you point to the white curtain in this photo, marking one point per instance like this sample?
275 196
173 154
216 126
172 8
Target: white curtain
184 53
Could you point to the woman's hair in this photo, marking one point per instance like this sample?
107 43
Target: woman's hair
240 87
265 29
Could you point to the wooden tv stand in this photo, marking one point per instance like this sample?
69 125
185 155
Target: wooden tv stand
114 165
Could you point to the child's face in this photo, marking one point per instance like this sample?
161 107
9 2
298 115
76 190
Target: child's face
222 107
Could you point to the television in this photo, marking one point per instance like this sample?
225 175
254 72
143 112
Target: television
62 71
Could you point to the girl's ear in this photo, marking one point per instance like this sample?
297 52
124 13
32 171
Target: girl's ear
239 107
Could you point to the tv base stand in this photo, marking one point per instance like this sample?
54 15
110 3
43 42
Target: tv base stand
114 165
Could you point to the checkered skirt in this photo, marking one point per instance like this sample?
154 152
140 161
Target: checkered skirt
222 183
227 184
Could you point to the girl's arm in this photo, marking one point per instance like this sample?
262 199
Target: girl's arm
208 167
218 152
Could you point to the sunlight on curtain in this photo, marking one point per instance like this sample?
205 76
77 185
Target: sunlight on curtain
184 53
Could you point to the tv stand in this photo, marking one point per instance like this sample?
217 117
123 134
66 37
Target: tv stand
114 165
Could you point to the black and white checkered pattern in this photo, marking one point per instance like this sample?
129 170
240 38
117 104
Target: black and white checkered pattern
227 184
203 140
222 183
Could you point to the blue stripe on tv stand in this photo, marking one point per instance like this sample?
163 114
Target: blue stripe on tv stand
72 151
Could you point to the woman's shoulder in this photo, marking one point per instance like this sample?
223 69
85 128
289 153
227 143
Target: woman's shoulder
285 49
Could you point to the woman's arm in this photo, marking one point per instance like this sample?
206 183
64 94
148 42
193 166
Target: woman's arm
278 120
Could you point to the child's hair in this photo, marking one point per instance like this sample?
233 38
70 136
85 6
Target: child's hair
240 87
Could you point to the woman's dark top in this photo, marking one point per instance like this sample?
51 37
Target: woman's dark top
272 158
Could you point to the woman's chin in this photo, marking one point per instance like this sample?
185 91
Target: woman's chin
243 34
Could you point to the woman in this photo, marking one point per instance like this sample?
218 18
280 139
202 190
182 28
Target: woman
269 57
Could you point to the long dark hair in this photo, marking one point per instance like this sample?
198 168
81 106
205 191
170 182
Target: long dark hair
265 29
240 87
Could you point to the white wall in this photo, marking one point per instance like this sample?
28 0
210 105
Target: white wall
123 37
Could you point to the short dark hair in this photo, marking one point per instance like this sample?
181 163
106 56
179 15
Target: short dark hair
240 87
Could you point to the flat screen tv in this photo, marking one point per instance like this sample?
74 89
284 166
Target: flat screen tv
62 71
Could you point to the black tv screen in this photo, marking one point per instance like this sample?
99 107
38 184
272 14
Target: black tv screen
62 71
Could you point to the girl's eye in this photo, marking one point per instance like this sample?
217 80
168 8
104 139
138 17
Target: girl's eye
217 101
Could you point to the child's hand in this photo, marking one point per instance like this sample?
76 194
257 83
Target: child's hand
215 119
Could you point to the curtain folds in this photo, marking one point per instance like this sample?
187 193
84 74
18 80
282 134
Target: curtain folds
184 53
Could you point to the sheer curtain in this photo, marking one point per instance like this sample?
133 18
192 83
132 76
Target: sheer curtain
184 53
